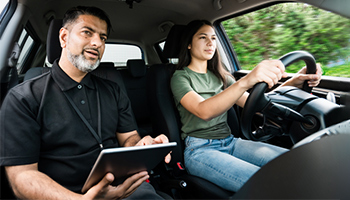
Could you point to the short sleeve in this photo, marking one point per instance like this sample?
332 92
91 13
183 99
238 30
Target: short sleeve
230 80
20 132
126 117
180 85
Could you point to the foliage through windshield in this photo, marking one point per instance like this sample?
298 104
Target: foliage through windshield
274 31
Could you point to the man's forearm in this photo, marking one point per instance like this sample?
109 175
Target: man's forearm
31 184
132 140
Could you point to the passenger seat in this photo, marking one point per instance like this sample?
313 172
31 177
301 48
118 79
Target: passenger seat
135 81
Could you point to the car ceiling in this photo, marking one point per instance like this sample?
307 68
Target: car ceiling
153 17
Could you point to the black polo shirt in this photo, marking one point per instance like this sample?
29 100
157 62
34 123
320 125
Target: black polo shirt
39 125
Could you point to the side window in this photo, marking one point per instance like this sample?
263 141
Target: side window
276 30
3 3
5 13
121 53
26 43
161 45
170 60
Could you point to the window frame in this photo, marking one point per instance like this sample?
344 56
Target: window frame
31 52
128 44
6 15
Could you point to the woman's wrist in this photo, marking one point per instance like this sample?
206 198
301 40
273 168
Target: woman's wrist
243 84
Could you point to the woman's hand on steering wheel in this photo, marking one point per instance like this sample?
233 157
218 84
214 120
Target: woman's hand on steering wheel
268 71
299 78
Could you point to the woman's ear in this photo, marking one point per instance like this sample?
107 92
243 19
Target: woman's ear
189 46
63 37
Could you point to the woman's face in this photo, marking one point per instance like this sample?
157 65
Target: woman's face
203 44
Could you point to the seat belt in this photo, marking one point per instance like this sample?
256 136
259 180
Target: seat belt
98 136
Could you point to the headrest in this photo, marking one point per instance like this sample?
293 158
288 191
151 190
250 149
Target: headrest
53 46
106 64
172 42
107 71
136 67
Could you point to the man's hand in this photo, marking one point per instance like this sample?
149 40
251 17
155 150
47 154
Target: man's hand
104 189
160 139
43 187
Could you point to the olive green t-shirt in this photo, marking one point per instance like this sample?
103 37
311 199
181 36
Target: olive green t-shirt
206 85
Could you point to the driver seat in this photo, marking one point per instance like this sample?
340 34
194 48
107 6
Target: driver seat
166 120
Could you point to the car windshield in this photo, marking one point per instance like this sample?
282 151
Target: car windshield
276 30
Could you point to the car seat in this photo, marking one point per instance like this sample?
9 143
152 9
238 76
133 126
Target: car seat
53 50
166 120
135 81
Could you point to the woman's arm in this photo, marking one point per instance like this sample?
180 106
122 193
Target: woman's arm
212 107
269 71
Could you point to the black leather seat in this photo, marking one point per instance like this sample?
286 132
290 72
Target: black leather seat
53 50
135 81
166 120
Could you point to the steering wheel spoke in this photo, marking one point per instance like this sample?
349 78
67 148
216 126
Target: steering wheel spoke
275 110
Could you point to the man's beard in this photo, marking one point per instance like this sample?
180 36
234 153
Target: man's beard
80 62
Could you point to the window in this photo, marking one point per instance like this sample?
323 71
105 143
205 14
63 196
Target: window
7 8
161 45
121 53
3 4
276 30
26 43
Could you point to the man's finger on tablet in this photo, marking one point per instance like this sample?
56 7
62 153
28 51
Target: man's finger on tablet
147 140
135 185
100 187
168 158
161 139
132 183
106 181
135 178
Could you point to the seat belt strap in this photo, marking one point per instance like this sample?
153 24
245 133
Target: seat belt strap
98 136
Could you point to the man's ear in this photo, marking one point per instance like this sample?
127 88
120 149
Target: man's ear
63 37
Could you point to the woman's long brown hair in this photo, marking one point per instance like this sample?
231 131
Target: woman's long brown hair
214 64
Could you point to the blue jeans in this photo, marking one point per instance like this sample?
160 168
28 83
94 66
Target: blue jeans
228 162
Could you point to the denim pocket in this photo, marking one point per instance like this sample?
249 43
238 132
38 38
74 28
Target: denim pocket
195 143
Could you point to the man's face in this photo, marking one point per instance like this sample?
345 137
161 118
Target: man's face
86 42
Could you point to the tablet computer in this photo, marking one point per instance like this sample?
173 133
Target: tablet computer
123 162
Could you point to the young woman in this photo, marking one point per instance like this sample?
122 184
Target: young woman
203 92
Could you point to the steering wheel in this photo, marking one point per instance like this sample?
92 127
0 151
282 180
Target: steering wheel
258 101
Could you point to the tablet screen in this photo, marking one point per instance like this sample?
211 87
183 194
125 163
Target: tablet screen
123 162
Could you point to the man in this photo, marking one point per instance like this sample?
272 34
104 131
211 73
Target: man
67 116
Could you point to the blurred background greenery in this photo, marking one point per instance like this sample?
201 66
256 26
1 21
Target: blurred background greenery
274 31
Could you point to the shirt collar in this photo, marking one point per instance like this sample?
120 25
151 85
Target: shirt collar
67 83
